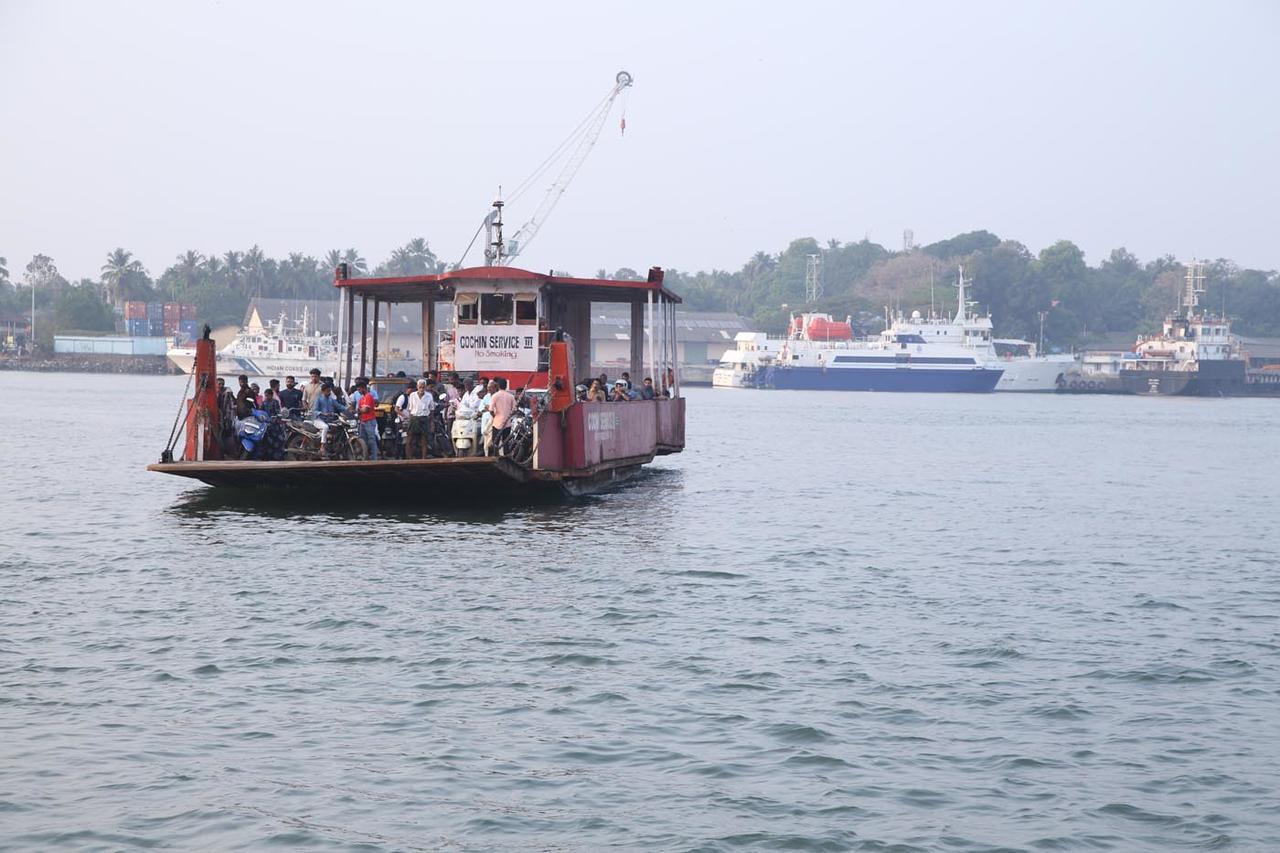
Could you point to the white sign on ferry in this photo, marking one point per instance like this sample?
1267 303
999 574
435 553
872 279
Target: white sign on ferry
486 350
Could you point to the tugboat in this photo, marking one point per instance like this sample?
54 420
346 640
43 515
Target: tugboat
532 329
1195 354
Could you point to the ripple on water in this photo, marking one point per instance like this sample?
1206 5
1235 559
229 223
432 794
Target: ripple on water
828 652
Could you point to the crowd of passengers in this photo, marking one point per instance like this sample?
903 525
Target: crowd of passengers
320 398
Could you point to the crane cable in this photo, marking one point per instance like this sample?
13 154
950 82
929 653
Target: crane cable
577 135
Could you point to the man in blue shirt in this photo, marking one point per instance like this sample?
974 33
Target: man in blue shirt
326 406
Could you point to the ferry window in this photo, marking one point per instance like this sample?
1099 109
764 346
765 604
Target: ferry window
526 310
468 308
496 308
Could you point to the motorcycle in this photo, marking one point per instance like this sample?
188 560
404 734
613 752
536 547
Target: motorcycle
465 434
439 436
341 439
392 439
250 431
517 443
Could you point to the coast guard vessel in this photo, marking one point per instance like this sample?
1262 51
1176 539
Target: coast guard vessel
282 348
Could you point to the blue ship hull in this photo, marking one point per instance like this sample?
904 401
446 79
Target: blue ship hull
881 379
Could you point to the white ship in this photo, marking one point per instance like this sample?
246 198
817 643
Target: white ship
279 349
740 367
967 336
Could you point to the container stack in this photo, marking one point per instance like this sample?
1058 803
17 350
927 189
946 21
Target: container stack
135 319
172 315
187 329
155 319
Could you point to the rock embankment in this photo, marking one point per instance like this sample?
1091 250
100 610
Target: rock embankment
154 365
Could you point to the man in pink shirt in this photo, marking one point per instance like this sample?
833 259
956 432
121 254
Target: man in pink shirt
502 403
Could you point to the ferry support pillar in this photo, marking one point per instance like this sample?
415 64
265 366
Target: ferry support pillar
364 331
373 368
430 357
351 322
637 343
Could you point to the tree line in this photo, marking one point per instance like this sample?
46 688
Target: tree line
1080 304
219 285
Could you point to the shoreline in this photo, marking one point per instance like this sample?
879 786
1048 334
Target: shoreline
140 365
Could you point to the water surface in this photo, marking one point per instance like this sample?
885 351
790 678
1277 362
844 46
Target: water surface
838 622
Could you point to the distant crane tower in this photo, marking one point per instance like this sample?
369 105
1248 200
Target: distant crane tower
813 278
908 240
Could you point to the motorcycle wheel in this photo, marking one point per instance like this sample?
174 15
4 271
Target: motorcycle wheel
296 449
359 451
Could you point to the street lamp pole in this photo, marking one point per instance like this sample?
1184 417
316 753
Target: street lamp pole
1041 348
31 343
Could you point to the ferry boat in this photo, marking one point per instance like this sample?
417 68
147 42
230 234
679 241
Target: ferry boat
532 329
1195 354
282 348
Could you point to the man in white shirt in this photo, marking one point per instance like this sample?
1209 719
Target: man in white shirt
419 406
311 390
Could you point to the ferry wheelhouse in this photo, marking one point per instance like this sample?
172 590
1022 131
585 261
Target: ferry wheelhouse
531 328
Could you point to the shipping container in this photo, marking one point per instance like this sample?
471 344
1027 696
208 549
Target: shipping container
172 311
170 327
155 328
122 326
139 327
188 312
155 310
135 310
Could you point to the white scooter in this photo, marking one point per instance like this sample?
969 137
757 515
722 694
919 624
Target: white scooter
466 432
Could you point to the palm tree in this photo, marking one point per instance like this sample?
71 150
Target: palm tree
417 256
352 259
760 263
254 264
332 258
294 270
4 270
120 267
189 263
233 264
213 269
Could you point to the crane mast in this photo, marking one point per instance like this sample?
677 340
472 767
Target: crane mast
572 151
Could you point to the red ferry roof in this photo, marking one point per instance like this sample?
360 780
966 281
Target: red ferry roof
419 288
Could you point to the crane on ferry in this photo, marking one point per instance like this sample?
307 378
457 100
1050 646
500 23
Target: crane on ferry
570 154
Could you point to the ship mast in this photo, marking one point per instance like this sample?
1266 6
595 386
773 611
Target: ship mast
961 316
1194 287
494 252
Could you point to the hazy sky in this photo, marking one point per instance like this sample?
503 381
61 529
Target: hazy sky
307 126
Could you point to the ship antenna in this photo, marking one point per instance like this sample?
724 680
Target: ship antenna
960 315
